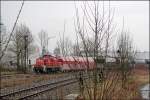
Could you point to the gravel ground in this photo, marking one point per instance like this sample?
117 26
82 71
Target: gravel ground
31 84
59 93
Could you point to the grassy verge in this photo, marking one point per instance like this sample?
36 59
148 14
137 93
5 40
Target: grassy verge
26 79
140 77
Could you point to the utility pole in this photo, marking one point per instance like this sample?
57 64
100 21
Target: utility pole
25 48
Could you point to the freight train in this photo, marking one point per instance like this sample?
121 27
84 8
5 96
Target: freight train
49 63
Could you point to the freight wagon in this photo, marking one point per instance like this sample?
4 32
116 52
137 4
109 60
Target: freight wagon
49 63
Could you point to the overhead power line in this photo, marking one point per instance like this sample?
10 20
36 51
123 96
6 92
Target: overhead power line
4 50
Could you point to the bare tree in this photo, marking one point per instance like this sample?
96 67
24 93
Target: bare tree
64 44
56 51
95 32
21 45
76 50
3 37
126 54
5 61
10 36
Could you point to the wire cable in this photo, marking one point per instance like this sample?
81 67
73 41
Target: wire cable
4 50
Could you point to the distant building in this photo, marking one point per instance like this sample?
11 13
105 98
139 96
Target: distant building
142 57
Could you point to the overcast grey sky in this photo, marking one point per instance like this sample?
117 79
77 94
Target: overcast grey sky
50 16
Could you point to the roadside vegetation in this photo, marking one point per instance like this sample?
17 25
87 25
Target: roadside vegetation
107 90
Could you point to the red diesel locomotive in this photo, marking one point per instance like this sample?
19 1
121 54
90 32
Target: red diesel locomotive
49 63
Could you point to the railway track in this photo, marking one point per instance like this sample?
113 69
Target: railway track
37 90
22 81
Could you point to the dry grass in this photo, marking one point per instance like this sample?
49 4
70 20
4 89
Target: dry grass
20 79
8 72
140 77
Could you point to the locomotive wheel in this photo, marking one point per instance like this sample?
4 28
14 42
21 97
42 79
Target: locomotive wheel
35 70
40 71
48 70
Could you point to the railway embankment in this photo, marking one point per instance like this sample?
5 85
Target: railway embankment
43 89
18 79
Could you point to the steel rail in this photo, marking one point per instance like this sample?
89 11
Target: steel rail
68 82
47 89
38 89
35 87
